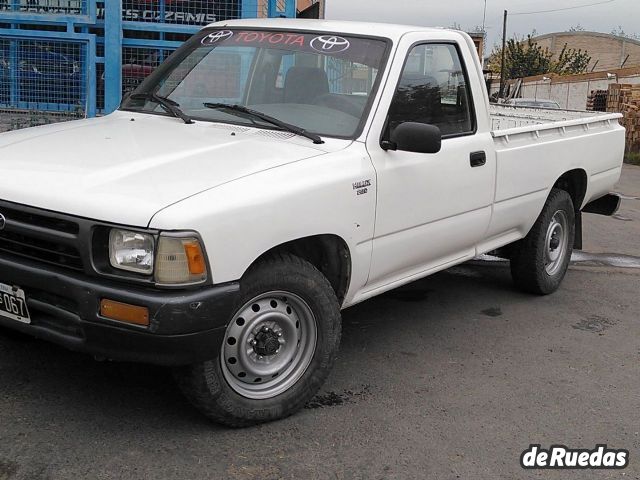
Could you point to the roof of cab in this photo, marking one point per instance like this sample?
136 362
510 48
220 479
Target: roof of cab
388 30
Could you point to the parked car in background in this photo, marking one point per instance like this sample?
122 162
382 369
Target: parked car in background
5 78
48 76
135 69
533 103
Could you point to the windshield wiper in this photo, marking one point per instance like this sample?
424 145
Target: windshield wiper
166 103
267 118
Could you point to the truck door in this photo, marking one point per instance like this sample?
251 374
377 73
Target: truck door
432 209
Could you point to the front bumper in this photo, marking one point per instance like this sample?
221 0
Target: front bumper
186 326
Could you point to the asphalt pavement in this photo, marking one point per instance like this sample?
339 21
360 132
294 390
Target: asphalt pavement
451 377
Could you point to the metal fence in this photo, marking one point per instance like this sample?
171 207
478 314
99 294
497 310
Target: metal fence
49 7
5 72
63 59
39 73
46 75
180 12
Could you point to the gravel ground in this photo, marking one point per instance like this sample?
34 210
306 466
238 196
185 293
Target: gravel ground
18 119
450 377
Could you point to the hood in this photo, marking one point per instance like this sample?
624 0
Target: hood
125 167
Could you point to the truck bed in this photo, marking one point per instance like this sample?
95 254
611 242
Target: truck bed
511 120
534 147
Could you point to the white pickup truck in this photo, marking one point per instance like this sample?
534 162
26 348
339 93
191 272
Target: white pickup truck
269 174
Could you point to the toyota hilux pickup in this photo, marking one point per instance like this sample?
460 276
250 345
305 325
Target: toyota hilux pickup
269 174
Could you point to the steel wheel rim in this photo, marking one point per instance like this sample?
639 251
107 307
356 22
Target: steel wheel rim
556 243
249 363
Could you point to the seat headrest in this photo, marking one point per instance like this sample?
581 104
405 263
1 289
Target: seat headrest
304 84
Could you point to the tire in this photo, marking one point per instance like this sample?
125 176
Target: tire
536 266
285 304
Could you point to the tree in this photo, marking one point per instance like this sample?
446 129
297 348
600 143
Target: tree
525 58
619 32
477 29
571 61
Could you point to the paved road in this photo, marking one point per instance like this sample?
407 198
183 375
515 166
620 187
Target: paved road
451 377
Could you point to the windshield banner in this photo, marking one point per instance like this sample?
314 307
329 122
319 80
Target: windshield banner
326 44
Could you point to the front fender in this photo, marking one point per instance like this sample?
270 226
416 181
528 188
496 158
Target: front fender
241 220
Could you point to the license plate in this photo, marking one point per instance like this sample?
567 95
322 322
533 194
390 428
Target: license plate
13 304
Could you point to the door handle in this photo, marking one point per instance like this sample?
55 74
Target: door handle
478 159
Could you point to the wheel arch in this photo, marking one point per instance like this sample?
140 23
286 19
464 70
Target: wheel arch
329 253
574 182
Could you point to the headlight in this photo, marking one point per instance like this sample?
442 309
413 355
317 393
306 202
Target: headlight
131 251
180 261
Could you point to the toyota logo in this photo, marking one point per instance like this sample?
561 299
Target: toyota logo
3 222
330 44
216 37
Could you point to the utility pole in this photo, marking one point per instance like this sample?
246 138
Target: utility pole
484 34
504 58
484 17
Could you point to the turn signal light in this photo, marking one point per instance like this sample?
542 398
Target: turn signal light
180 261
195 258
123 312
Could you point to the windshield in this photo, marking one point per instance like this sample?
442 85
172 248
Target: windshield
321 83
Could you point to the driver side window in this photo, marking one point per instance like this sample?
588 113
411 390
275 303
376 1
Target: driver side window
433 90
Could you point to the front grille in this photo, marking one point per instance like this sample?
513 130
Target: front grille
37 219
40 236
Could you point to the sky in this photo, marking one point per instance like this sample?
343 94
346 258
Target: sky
469 14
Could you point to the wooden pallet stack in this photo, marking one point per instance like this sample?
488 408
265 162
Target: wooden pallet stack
625 99
597 100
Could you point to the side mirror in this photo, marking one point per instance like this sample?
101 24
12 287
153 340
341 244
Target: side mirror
415 137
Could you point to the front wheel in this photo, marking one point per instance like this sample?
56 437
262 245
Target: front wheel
540 261
278 348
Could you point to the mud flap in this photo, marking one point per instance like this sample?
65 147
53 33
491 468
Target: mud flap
577 242
607 205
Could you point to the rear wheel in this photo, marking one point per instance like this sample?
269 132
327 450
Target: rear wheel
278 348
540 261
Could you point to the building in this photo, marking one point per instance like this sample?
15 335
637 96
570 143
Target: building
608 52
569 91
478 40
310 8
